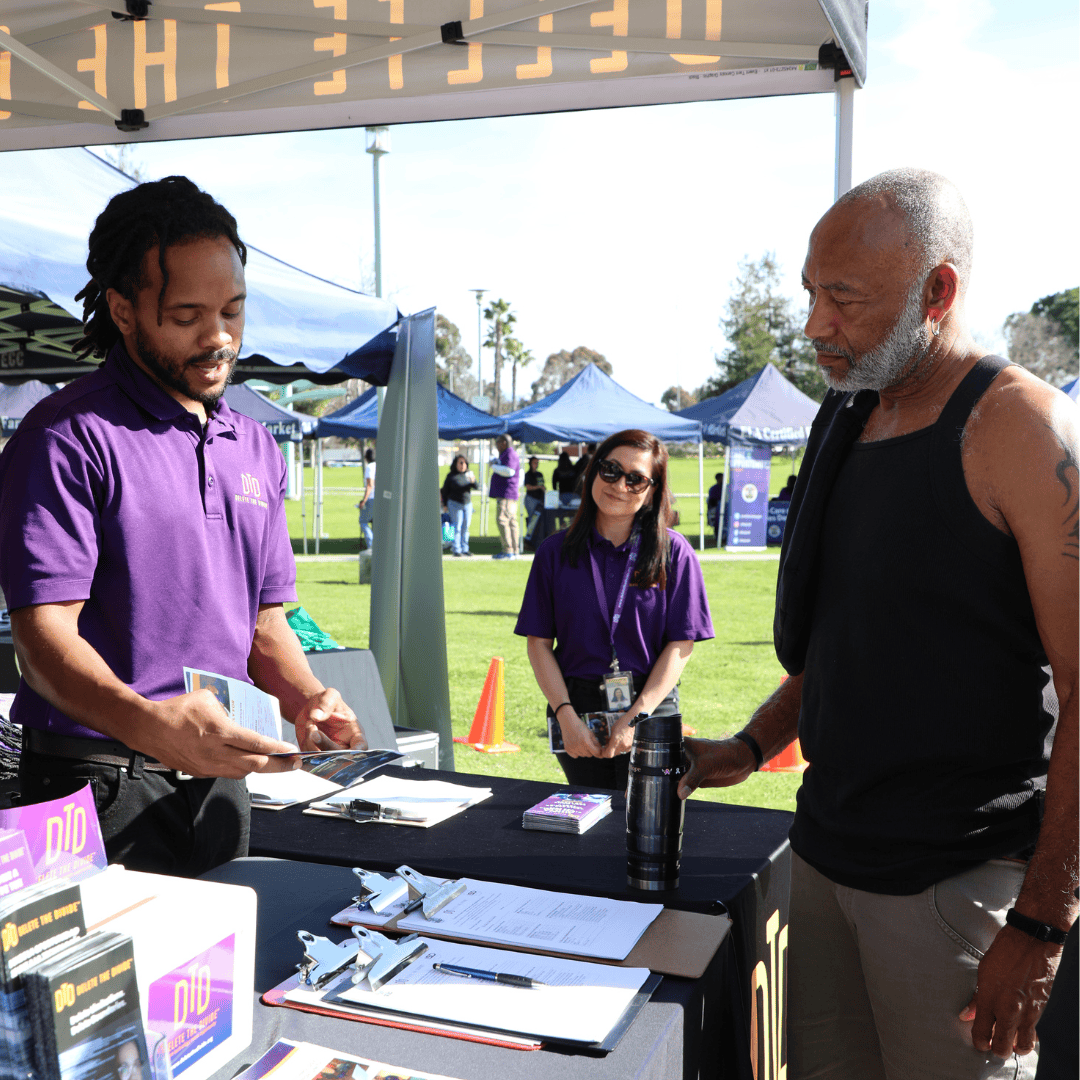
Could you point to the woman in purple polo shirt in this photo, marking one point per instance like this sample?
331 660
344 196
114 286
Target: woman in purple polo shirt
616 593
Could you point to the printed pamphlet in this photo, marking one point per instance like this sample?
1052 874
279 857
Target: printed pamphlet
567 812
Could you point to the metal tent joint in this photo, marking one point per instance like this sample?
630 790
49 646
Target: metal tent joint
831 56
452 33
137 10
132 120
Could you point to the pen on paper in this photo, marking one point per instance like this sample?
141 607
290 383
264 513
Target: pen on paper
488 976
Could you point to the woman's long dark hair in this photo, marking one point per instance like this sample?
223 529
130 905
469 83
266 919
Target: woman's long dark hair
652 519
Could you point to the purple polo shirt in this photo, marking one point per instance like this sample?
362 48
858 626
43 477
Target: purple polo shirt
506 487
112 493
560 602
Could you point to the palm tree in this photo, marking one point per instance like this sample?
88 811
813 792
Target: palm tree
500 320
519 356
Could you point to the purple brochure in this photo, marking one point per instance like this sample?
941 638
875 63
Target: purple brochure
63 836
16 869
191 1007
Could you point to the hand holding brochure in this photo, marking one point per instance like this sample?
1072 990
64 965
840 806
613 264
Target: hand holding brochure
247 705
321 773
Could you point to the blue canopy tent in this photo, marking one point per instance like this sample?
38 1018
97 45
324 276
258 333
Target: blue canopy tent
299 326
1072 388
764 410
457 419
284 424
16 401
590 407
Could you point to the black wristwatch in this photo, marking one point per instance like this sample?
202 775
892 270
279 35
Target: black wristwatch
1038 930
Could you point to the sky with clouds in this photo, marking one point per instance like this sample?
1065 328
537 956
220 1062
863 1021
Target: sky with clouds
623 229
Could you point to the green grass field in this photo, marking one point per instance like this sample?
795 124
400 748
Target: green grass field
723 683
344 486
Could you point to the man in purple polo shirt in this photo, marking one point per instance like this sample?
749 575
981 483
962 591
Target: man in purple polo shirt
142 529
505 470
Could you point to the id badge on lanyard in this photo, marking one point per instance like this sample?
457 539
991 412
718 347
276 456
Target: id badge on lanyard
618 685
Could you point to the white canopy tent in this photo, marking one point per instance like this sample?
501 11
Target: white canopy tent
79 72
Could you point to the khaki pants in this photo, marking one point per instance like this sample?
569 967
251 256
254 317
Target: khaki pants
877 982
506 519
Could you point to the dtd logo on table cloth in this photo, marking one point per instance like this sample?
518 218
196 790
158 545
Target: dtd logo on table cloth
767 1006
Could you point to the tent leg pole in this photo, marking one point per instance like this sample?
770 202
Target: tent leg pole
318 494
725 495
303 499
845 113
701 494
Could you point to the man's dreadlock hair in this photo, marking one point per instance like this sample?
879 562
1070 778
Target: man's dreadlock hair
159 214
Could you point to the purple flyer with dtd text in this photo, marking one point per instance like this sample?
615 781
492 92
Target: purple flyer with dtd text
192 1005
63 836
16 869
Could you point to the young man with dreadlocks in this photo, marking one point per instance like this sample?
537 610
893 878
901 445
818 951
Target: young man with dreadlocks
142 529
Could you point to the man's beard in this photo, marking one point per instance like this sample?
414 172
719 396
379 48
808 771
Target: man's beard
172 372
892 362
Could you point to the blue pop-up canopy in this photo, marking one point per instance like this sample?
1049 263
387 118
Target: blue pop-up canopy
298 325
763 410
284 424
592 406
457 419
1072 389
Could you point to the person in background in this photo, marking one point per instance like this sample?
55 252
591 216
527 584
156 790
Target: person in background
457 491
564 479
784 494
367 503
712 510
579 630
505 471
582 464
534 497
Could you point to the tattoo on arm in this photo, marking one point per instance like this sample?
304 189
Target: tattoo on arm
1067 471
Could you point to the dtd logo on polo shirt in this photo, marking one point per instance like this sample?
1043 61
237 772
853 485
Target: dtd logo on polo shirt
252 490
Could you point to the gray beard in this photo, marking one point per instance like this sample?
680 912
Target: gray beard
892 362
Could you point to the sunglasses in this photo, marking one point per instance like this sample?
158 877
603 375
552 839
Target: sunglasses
610 471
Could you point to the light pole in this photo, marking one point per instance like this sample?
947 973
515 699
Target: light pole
378 143
480 395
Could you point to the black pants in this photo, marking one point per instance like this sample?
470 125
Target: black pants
150 821
602 773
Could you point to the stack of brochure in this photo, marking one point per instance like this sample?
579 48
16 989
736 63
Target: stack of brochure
84 1011
566 812
37 922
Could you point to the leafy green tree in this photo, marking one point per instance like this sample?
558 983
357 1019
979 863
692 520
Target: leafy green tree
761 327
562 366
453 365
500 321
675 398
1063 309
519 357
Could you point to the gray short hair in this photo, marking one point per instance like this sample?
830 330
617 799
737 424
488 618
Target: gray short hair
935 213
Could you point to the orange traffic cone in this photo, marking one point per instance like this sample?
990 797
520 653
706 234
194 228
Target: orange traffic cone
486 733
790 759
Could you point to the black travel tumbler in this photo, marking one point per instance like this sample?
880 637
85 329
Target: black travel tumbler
654 811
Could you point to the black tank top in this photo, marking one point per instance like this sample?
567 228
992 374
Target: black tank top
922 702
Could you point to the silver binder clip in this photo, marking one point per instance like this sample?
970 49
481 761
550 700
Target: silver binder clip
376 890
429 895
323 960
379 958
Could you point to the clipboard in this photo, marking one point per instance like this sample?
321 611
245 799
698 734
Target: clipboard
680 943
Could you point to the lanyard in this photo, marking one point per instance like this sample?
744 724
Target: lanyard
601 597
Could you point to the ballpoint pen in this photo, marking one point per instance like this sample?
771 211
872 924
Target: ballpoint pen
488 976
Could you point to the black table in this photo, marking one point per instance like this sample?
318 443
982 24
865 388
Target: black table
735 859
552 519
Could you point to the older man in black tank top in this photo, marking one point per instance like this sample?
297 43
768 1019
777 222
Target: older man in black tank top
928 582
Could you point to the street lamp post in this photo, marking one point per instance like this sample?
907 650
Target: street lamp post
378 143
480 394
